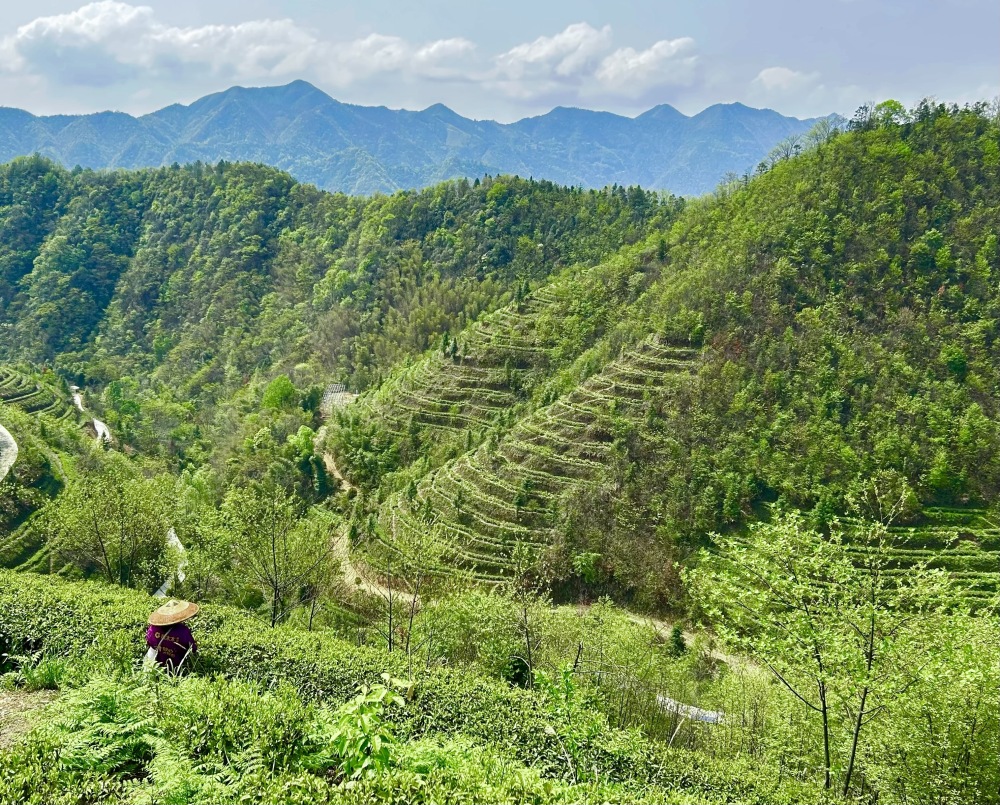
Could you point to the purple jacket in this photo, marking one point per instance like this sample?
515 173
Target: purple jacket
171 643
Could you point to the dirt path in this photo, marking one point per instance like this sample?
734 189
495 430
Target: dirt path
328 461
103 431
175 543
358 578
8 452
18 710
354 576
664 628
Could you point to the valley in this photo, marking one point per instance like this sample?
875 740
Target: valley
559 494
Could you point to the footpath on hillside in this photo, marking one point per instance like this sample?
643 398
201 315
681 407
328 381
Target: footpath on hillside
18 710
337 396
103 434
103 431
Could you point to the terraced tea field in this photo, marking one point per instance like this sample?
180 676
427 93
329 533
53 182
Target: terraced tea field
34 396
963 542
507 493
17 388
473 389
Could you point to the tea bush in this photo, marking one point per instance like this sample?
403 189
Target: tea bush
559 738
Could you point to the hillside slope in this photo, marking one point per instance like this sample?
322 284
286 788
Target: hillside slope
847 305
363 150
180 286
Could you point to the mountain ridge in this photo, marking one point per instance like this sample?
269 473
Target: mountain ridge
373 149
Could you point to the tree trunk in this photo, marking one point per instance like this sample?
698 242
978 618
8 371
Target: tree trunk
869 662
388 584
854 741
824 710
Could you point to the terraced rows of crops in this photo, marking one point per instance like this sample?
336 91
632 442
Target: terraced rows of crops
17 388
507 493
471 390
21 390
964 542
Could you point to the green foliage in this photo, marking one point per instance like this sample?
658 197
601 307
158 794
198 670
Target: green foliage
272 548
32 672
280 393
112 521
820 338
359 740
789 342
841 631
226 724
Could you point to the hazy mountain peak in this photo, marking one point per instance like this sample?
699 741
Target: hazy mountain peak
364 149
663 112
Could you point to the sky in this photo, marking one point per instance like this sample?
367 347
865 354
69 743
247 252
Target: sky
503 59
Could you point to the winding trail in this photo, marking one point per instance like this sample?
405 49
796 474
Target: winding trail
175 543
669 705
8 452
353 577
666 703
103 431
331 465
663 628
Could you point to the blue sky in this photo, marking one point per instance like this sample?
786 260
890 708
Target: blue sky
504 59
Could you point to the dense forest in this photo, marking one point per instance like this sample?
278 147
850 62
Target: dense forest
582 495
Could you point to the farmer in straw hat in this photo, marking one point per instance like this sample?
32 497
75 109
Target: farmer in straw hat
170 641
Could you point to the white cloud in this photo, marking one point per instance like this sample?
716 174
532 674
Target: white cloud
445 49
580 61
109 41
804 93
631 72
783 80
113 43
564 55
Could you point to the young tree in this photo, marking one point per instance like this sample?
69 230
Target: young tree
941 744
112 521
833 625
274 548
523 591
406 564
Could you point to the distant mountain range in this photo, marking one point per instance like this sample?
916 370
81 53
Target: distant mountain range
362 149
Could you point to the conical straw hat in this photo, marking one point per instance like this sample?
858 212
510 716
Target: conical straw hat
174 611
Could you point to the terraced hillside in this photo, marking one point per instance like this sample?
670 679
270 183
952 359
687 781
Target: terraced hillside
481 381
965 542
39 473
507 492
33 396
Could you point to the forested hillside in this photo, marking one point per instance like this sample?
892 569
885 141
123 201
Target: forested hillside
178 286
798 338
